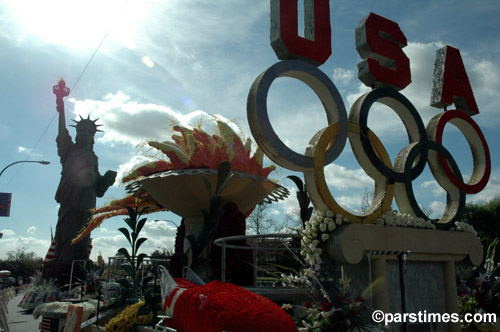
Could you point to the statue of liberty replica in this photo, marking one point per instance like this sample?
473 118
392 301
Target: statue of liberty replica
79 186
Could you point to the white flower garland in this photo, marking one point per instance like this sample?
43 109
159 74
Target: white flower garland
319 228
317 231
392 218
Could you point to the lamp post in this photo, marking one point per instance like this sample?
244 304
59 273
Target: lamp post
43 162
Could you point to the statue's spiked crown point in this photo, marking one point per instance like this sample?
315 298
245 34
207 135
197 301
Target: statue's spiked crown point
87 123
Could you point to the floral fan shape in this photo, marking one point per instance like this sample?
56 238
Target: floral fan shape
192 148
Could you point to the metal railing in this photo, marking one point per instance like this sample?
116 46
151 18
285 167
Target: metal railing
223 243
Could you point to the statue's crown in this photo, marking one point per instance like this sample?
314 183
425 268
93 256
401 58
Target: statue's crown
87 123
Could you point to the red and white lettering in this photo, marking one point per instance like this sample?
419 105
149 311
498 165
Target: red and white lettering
316 47
450 84
380 42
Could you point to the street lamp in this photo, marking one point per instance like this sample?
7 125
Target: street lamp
43 162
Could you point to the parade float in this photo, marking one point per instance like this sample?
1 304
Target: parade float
348 261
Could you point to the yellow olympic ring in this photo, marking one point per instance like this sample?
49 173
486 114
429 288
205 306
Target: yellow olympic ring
316 183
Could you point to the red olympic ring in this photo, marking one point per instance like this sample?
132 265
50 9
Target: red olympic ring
477 142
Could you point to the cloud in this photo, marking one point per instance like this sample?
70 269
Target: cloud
31 230
38 246
120 118
28 151
491 190
104 230
159 228
43 21
109 245
433 186
130 123
342 178
343 76
437 208
7 232
289 205
159 234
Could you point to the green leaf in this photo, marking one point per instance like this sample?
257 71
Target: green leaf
194 245
216 204
201 267
129 269
140 225
143 210
125 253
126 233
131 220
223 176
140 258
139 242
298 182
206 215
208 186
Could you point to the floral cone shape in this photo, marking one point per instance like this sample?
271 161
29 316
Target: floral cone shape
191 149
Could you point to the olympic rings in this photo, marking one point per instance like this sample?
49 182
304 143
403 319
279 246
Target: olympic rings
479 148
405 198
260 125
316 183
325 146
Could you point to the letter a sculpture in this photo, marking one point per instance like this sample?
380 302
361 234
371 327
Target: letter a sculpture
80 183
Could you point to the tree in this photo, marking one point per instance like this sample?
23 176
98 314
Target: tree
21 262
366 200
160 257
258 222
485 218
164 253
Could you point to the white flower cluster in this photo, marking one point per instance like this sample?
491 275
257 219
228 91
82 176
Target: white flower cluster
317 231
301 280
464 227
392 218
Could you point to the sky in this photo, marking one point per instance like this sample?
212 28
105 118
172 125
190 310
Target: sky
176 61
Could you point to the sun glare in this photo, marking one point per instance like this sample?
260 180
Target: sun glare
77 23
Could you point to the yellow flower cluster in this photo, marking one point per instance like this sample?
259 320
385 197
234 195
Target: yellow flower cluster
127 319
144 319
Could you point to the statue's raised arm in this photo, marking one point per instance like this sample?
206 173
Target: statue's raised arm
61 91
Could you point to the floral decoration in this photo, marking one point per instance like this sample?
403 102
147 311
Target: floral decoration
392 218
480 291
332 307
341 314
191 148
317 231
128 318
194 148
